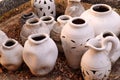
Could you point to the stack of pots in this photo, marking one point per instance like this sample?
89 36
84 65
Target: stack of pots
85 37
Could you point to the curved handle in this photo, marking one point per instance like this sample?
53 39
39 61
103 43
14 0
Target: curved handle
114 49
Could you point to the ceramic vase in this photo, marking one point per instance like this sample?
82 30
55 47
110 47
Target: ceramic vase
11 54
96 62
40 54
56 31
74 35
32 26
44 8
102 18
49 21
74 8
27 16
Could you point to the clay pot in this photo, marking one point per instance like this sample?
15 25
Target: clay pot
96 62
44 8
102 18
40 54
56 31
32 26
11 54
49 21
74 35
74 8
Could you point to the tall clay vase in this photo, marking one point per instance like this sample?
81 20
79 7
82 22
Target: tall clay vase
74 8
49 21
74 35
40 54
56 31
96 62
32 26
44 7
11 54
102 18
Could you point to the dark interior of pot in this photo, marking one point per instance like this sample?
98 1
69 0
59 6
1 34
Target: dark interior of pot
78 21
9 43
64 18
33 21
38 38
47 19
101 8
107 34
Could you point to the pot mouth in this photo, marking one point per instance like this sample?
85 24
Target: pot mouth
47 19
38 38
78 22
10 43
63 18
101 8
106 34
28 15
32 21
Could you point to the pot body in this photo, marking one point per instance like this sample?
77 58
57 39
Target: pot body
102 18
74 8
11 54
32 26
74 35
40 54
44 8
56 31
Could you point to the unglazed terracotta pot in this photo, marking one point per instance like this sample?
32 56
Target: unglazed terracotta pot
74 35
96 62
27 16
11 54
56 31
49 21
102 18
74 8
40 54
44 7
32 26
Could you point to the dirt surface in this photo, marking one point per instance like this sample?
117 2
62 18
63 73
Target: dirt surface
10 24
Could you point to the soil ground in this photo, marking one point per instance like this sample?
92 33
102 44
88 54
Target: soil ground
10 24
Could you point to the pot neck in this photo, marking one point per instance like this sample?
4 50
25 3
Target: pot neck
29 15
63 19
38 38
100 9
77 22
47 19
9 44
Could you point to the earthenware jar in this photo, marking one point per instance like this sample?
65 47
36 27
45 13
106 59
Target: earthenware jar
96 62
102 18
27 16
11 54
44 7
49 21
33 25
40 54
56 31
74 35
74 8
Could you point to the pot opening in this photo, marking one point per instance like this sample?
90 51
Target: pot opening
101 8
33 21
78 21
29 14
9 43
64 18
47 19
107 34
38 38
